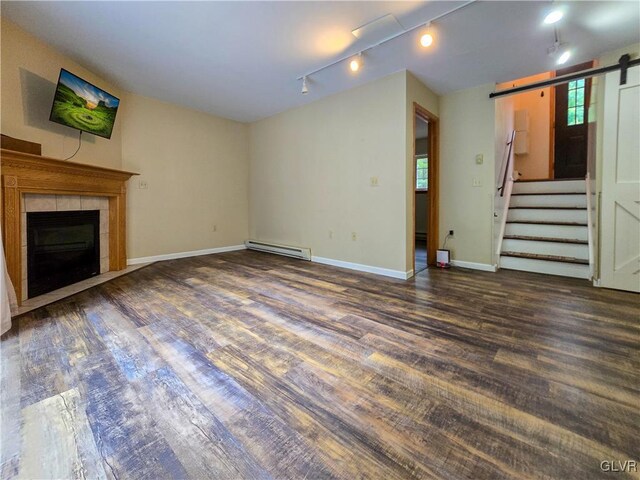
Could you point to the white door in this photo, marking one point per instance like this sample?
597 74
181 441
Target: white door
620 209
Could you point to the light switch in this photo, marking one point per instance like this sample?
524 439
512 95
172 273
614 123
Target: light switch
374 181
477 182
479 159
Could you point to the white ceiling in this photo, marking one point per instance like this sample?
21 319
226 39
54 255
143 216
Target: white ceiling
240 60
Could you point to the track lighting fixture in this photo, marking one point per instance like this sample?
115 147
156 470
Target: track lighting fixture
356 63
426 39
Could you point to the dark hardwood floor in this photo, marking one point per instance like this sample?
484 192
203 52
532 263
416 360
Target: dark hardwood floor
248 365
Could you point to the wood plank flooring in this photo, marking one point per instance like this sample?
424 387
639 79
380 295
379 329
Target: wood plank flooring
247 365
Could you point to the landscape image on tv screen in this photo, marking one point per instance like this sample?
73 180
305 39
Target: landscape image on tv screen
79 104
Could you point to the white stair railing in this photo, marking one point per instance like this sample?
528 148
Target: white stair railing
505 192
587 180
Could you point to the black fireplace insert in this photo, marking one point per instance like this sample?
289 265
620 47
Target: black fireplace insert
62 248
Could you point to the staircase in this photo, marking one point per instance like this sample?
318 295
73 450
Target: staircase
546 229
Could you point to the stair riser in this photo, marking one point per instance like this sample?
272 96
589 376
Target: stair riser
550 187
544 266
547 231
532 215
546 248
549 201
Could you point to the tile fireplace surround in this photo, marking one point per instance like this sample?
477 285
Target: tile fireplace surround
34 183
58 203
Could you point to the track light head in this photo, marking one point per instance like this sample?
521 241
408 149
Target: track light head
305 87
356 63
426 39
553 17
564 56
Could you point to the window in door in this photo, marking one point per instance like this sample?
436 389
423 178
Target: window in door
575 102
422 172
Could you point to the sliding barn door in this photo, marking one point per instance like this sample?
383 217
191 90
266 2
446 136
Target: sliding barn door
620 210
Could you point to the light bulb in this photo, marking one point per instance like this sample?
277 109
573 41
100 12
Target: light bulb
553 17
564 57
426 40
354 65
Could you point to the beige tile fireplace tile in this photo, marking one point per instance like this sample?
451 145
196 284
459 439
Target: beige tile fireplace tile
104 265
104 221
22 203
40 203
24 289
104 245
23 228
24 262
68 202
93 203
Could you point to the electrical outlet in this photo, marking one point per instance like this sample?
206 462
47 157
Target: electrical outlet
477 182
479 159
451 233
374 181
142 184
354 236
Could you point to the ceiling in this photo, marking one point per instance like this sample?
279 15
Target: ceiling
241 60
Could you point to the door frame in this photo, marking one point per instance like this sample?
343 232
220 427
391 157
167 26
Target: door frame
433 207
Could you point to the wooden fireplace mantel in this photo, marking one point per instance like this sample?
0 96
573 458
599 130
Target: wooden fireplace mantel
25 173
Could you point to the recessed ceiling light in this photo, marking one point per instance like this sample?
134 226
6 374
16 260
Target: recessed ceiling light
564 57
553 17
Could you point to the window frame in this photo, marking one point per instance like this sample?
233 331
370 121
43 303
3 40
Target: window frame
415 168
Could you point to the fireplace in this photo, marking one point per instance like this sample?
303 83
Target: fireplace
63 247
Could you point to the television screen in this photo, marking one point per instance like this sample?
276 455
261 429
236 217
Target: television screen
79 104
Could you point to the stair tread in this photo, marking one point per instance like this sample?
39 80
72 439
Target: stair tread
545 207
551 180
541 222
549 193
546 239
550 258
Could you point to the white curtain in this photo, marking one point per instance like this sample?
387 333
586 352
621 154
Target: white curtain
7 294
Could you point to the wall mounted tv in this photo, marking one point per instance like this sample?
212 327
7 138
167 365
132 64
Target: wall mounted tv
80 104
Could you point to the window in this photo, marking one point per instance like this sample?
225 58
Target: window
575 102
422 172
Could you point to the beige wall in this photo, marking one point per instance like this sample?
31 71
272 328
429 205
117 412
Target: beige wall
535 163
196 169
29 74
310 175
467 128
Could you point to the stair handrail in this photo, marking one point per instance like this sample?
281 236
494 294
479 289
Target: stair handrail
506 187
508 162
587 180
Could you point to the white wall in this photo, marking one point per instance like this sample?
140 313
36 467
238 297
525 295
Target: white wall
467 128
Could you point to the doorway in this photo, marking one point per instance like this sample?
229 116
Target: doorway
425 163
571 126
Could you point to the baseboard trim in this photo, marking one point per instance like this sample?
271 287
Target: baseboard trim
485 267
363 268
193 253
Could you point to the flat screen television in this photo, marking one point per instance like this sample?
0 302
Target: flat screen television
80 104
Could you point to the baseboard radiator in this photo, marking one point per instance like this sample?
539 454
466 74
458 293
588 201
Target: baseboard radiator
286 250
